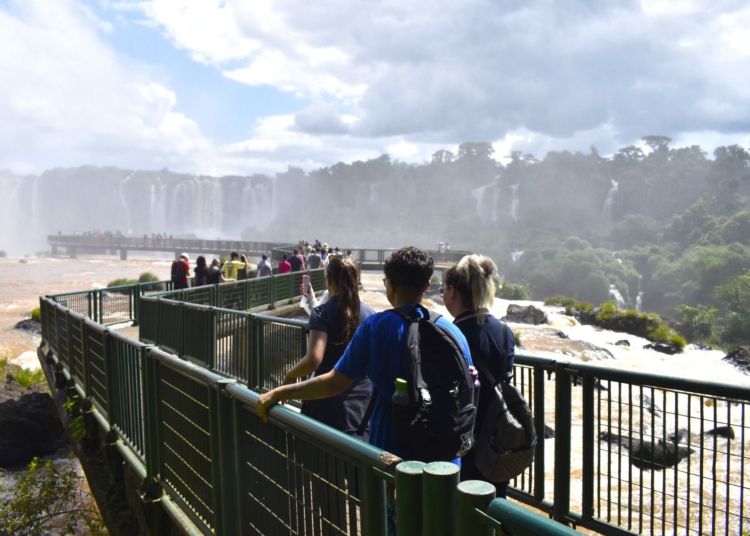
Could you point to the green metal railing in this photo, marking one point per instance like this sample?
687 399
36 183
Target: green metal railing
602 470
194 436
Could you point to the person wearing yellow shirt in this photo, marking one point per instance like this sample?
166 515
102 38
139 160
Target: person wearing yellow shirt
231 266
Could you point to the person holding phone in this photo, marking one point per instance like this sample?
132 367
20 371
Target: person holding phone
330 329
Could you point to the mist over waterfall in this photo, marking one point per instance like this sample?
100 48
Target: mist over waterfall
607 210
133 202
514 202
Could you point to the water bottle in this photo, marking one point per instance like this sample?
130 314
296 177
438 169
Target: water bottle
400 397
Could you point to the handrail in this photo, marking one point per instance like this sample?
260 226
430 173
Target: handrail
605 415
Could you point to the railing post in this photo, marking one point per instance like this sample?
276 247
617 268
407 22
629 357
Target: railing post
439 498
230 508
136 313
473 495
212 333
409 497
539 486
151 424
375 510
563 398
587 509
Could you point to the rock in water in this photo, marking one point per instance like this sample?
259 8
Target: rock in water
663 347
740 358
723 431
650 406
29 427
622 343
678 436
525 314
30 325
549 432
648 454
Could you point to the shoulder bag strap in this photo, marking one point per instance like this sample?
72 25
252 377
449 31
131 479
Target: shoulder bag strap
484 369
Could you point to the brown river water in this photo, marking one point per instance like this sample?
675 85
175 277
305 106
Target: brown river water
626 488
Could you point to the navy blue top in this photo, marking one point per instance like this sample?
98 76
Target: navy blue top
346 410
375 352
486 343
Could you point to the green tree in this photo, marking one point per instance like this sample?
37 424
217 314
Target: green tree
735 296
48 500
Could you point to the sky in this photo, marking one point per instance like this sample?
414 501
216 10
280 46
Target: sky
242 87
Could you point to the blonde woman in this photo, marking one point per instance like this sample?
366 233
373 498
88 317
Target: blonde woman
468 293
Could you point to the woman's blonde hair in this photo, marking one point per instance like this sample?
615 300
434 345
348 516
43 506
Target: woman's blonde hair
472 278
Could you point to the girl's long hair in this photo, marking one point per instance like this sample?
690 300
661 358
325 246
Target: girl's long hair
472 278
345 275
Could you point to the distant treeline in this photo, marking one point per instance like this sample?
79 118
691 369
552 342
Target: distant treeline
676 227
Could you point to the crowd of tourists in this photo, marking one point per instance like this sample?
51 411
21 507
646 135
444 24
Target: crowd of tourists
358 358
304 257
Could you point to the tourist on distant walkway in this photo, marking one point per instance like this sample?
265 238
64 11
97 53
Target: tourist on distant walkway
181 272
324 252
264 267
215 276
314 260
330 328
231 266
296 261
284 266
201 272
468 291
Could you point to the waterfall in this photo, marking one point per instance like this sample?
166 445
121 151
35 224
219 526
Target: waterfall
607 211
486 204
639 302
124 202
10 192
373 194
495 199
514 202
516 255
35 212
158 207
617 296
217 200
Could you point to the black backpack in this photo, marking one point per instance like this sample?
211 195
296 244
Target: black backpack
177 271
438 422
508 440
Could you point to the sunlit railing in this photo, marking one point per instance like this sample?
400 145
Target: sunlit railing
602 470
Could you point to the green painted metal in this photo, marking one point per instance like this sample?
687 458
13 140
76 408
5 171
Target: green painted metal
563 422
439 498
521 521
409 497
474 498
257 349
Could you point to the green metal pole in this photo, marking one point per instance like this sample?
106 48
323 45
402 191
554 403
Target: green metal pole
539 490
589 448
473 495
439 484
563 402
409 497
229 497
521 521
374 515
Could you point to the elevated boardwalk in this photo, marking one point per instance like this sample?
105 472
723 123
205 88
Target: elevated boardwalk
369 259
176 409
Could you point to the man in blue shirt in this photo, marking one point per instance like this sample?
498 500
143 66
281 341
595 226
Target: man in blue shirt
375 349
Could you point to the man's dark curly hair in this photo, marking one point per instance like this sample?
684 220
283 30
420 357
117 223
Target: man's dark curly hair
409 267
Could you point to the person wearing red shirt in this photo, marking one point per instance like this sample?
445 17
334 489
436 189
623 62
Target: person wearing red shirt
284 266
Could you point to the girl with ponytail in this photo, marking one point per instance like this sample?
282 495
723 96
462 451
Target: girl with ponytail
468 293
330 329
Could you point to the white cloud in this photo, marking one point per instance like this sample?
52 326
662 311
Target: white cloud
68 100
449 72
403 149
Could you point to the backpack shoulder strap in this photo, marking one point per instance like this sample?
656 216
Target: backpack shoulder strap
368 412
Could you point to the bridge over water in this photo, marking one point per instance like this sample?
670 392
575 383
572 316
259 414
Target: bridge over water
74 244
175 412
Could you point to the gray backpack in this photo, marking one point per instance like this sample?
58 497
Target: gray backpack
507 443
